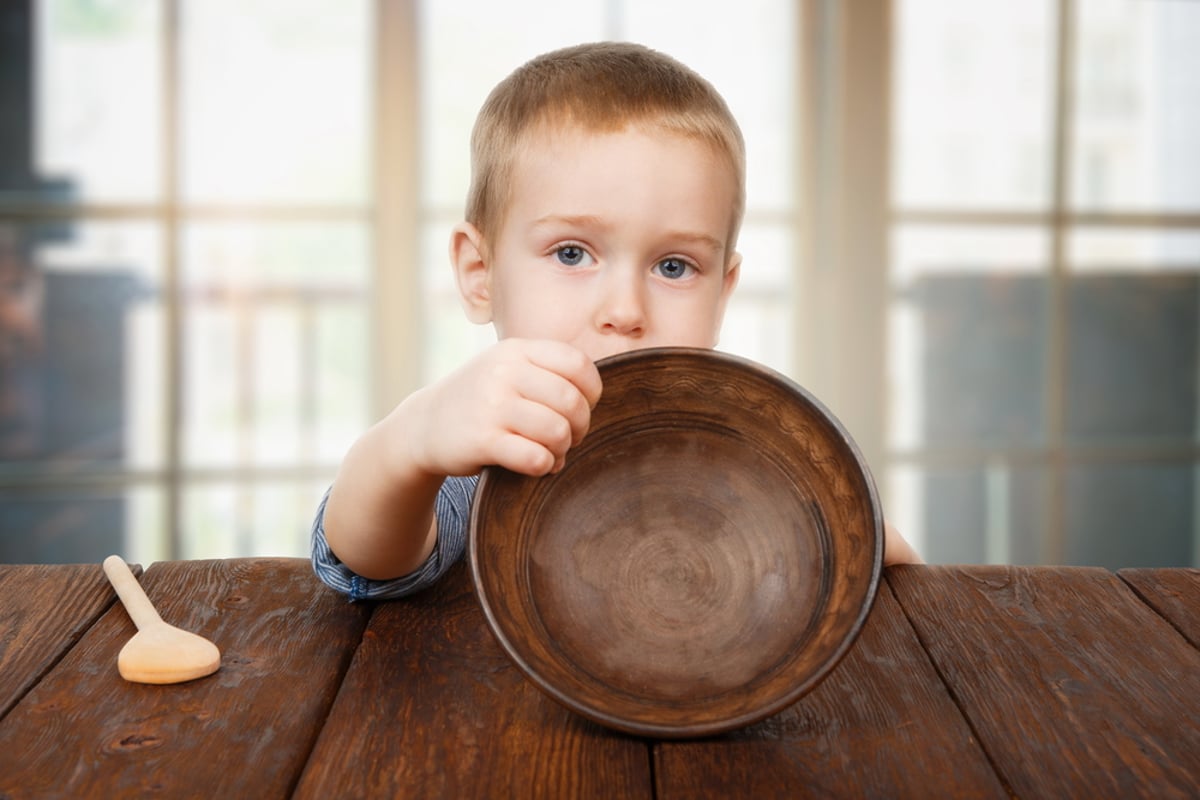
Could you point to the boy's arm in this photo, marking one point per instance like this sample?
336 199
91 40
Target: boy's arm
520 404
379 517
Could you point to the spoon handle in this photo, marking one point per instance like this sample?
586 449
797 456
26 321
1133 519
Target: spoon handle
136 603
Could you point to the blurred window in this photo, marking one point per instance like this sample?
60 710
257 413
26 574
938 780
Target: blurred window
200 276
1045 281
973 231
185 260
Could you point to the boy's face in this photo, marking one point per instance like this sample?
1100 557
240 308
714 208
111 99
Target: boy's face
611 242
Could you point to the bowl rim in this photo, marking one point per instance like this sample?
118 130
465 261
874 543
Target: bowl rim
715 725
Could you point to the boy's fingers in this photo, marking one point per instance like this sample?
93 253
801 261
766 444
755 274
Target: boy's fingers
524 456
569 362
555 394
544 425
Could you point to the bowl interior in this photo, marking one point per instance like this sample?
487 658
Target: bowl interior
706 556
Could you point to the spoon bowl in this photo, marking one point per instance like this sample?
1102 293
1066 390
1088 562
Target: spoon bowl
159 652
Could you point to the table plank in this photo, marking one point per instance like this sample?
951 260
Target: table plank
1174 593
1075 687
44 611
880 725
245 731
432 707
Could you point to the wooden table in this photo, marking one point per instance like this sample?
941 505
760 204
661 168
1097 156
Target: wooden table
966 681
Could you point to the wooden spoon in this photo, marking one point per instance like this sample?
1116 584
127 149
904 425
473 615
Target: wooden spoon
158 652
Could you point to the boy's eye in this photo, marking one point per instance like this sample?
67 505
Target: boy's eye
673 268
570 255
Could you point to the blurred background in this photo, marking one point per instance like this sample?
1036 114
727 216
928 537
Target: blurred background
973 231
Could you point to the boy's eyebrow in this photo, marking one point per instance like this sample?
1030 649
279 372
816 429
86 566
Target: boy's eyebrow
592 221
571 220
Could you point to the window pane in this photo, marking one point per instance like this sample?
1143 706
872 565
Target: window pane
276 100
283 400
342 370
1134 301
1132 515
79 116
769 258
755 327
1132 357
758 319
969 328
275 340
1111 249
210 405
247 519
1138 106
969 515
325 260
81 364
437 276
65 525
974 93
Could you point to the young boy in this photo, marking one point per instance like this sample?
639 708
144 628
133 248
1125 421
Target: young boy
606 196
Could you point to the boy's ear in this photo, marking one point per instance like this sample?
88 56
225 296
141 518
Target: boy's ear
467 256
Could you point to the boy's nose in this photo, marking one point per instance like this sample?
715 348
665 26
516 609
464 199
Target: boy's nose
622 309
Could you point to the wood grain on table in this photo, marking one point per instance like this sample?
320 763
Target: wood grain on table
285 642
431 687
966 681
1074 686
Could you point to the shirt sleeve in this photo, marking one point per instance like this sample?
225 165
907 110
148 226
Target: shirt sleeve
453 511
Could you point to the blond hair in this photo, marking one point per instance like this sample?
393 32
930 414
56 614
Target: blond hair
604 87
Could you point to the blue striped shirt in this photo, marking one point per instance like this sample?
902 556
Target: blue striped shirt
453 512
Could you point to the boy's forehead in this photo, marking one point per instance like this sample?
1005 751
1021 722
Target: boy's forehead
566 150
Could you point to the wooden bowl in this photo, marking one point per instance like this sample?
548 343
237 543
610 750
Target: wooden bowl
707 555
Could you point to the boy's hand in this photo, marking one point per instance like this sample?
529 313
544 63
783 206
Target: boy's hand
521 404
